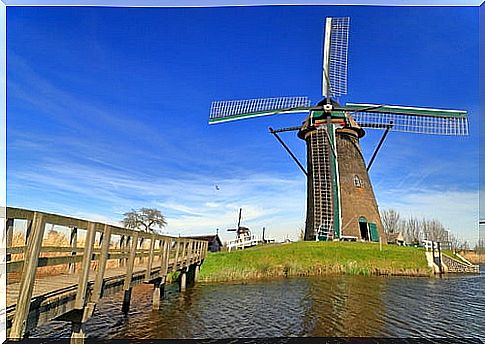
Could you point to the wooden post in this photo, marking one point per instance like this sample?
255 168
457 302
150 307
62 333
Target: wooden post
439 256
187 253
162 287
31 258
183 279
196 272
78 332
129 274
150 258
177 251
28 229
141 259
162 249
103 258
190 243
191 274
73 244
77 325
161 254
168 247
158 292
126 249
85 267
192 251
184 246
122 251
9 225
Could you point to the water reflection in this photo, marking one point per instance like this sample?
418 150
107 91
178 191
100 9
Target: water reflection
334 306
344 306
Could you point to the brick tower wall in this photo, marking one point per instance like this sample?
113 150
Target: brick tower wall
356 200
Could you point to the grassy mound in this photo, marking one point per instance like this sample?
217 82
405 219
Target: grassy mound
313 258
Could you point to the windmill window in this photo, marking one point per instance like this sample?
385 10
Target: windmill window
357 181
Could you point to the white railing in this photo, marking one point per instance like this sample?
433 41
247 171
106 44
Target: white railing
242 243
428 245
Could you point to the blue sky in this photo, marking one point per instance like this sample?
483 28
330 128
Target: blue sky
107 110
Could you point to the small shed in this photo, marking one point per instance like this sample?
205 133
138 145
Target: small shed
215 242
395 238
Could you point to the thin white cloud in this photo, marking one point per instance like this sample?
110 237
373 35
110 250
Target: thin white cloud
191 203
194 206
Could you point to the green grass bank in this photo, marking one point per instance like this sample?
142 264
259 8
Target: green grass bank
313 258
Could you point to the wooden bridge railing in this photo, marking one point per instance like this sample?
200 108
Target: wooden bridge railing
89 248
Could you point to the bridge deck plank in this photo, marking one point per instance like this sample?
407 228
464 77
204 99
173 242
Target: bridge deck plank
51 284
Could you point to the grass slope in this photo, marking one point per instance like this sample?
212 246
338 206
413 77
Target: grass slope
313 258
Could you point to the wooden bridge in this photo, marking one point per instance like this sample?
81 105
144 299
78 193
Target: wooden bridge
65 282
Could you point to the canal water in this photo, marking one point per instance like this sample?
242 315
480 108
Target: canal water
335 306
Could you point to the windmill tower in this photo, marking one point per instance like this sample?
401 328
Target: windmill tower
340 198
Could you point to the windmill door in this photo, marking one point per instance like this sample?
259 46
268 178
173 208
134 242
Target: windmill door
364 228
374 234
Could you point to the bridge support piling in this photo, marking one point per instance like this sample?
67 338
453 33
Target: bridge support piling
183 279
158 292
78 332
126 301
192 274
196 272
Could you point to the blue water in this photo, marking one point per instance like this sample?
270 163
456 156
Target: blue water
336 306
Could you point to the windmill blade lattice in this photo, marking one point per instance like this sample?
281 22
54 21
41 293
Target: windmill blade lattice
230 110
336 48
410 119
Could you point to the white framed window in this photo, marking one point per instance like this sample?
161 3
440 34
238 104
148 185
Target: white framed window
357 181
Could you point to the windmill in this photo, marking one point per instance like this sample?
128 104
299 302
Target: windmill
241 232
243 236
340 199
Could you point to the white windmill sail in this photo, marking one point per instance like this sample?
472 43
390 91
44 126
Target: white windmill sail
231 110
335 52
409 119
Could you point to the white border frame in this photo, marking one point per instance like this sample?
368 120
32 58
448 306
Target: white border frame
139 3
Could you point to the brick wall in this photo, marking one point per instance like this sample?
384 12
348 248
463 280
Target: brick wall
457 266
356 200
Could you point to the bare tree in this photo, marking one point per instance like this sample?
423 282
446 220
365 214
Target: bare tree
301 233
456 242
480 247
390 220
434 230
415 229
412 230
144 219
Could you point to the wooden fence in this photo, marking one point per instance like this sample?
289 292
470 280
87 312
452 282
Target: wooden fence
98 258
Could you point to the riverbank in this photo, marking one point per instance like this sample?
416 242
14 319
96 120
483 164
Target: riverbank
313 258
473 256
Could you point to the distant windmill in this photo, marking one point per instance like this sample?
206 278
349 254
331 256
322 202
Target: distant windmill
241 232
340 199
